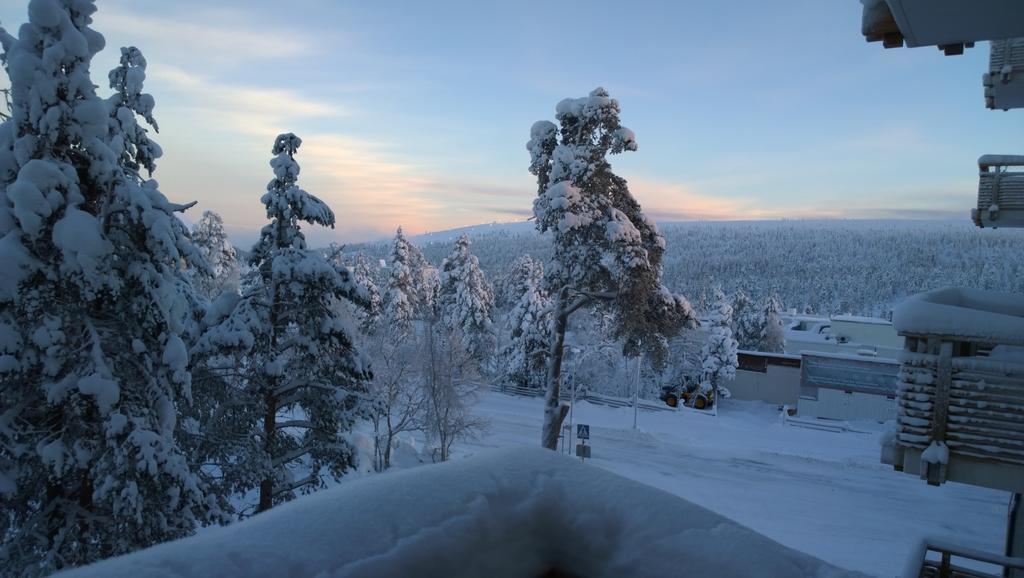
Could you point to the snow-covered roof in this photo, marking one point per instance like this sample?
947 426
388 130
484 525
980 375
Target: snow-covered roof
849 357
514 513
860 319
767 354
968 314
1007 160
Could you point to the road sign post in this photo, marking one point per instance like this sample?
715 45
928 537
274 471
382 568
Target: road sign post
583 431
582 434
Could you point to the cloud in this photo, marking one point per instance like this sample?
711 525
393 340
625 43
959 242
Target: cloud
222 36
242 109
664 201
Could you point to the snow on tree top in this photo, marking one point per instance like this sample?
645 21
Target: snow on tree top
970 314
501 514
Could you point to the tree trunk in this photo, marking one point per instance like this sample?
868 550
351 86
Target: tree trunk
554 412
390 440
269 425
270 417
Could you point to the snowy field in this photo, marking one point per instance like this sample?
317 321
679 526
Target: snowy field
819 492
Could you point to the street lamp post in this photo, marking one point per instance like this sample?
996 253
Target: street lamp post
636 388
572 404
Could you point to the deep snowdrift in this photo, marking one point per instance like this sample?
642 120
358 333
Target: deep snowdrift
513 512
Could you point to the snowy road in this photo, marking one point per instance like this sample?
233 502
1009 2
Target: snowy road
820 492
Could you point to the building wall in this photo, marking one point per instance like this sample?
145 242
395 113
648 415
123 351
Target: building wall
778 384
878 334
840 405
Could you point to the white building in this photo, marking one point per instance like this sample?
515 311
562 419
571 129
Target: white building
847 334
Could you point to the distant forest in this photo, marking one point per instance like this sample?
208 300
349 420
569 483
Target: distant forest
821 267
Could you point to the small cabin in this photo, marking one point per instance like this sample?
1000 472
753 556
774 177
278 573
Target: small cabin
960 413
1004 81
1000 191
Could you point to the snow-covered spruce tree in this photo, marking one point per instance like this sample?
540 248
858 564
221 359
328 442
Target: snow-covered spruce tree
719 352
605 250
523 360
466 300
509 287
224 272
95 313
746 322
771 337
302 369
402 299
128 138
363 277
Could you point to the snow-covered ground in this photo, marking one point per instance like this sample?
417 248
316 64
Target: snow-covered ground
820 492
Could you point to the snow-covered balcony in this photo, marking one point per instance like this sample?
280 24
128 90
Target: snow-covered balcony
960 395
1000 191
1004 81
948 24
519 513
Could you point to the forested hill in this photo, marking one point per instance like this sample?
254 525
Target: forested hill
827 267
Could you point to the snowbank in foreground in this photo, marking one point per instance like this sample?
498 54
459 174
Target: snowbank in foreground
512 513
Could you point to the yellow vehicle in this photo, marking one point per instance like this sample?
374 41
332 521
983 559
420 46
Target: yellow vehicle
689 393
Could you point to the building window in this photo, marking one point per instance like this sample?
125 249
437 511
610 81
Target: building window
748 362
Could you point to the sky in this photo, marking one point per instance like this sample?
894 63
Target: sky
417 113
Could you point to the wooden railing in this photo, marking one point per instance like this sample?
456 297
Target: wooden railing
949 565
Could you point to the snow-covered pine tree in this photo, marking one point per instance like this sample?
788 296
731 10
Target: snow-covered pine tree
746 321
466 300
302 367
605 250
95 312
771 337
223 273
524 359
719 352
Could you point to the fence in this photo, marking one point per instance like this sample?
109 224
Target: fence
583 395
